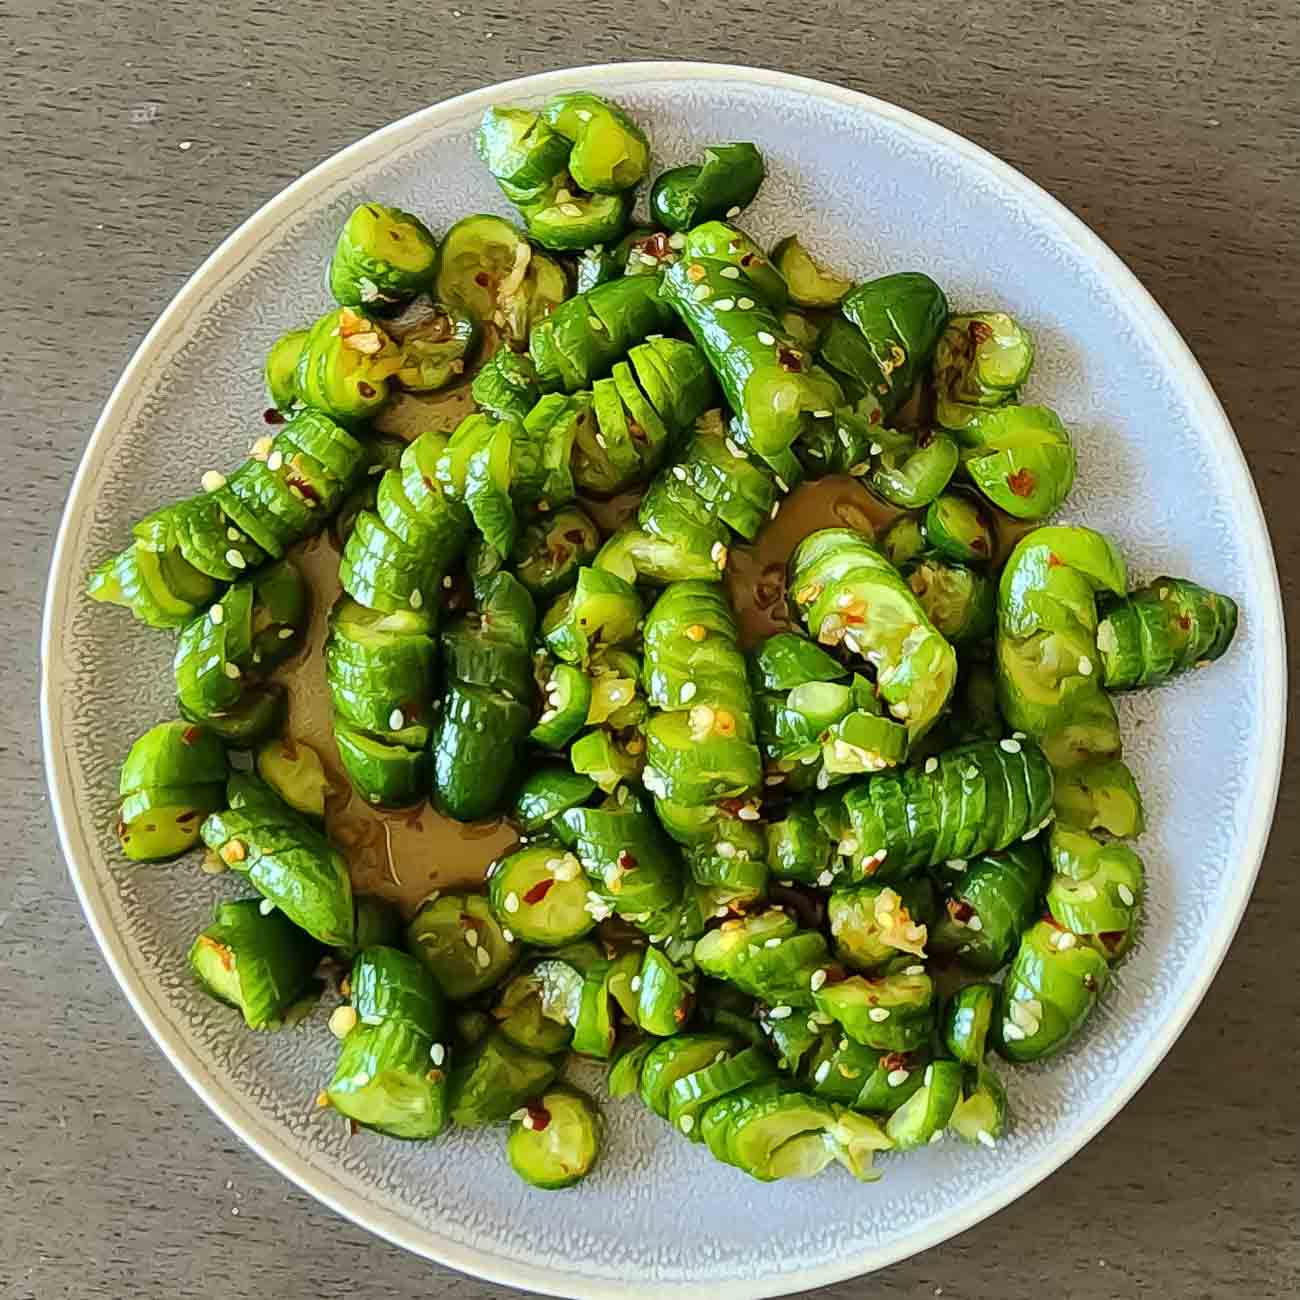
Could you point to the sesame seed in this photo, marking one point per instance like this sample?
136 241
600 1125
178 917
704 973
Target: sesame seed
600 441
730 273
266 907
725 849
878 1014
687 1122
733 211
471 938
636 984
275 460
725 304
748 813
896 1078
718 554
231 671
212 480
512 902
508 935
701 292
986 1139
1009 746
772 943
688 692
484 958
679 472
975 924
447 583
234 535
914 970
744 303
776 506
825 879
437 1053
677 241
735 449
519 1115
216 614
1125 895
396 721
817 980
765 337
928 1077
931 765
779 1013
821 1072
343 1021
235 559
1065 941
417 599
1012 1032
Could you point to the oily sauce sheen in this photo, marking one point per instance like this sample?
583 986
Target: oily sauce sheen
405 855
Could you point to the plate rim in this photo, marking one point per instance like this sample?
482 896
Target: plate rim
324 1184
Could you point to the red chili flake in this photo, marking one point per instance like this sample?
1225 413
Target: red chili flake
1052 921
482 279
626 861
538 1116
304 487
539 891
979 332
655 245
190 735
1090 983
365 389
747 259
835 973
467 922
272 416
895 1061
874 417
121 828
979 546
1054 561
731 807
1185 622
925 438
187 816
576 536
1112 939
636 431
428 482
789 359
959 910
1022 482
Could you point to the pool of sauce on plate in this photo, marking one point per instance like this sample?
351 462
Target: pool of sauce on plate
404 855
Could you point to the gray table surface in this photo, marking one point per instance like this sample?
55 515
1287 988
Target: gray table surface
134 136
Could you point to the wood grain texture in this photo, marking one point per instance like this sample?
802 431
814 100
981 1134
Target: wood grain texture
1171 126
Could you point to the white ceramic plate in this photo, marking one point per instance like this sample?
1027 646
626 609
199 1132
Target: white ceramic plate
874 189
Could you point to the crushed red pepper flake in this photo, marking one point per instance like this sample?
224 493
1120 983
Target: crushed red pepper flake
539 891
1022 482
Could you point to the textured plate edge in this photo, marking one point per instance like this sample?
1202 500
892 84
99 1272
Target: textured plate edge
322 1184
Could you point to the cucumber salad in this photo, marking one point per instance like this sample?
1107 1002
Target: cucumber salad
806 894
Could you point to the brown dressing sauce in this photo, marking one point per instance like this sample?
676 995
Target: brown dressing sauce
405 855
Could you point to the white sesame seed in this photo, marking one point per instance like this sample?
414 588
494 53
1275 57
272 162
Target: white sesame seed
512 902
679 472
822 415
212 480
417 599
986 1139
285 633
688 692
878 1014
234 535
744 303
730 273
772 943
527 1122
735 449
817 980
725 849
508 935
725 304
1065 941
1009 746
216 614
748 813
483 957
776 506
765 337
733 211
701 292
235 559
931 765
1012 1031
396 721
687 1122
929 1075
914 970
635 986
821 1072
826 879
600 441
275 460
519 1115
896 1078
231 671
677 241
437 1053
266 907
718 554
875 449
471 938
447 583
1125 895
779 1013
